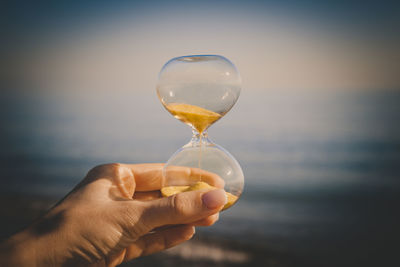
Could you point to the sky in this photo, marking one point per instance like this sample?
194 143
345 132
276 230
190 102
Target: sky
276 45
78 70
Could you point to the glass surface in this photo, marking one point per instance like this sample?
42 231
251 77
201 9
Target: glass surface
199 90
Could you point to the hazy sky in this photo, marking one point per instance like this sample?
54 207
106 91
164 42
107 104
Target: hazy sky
74 45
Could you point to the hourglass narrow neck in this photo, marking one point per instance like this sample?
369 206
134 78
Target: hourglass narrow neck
199 138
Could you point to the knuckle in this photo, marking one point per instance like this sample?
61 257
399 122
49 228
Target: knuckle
113 169
104 168
131 220
179 203
109 169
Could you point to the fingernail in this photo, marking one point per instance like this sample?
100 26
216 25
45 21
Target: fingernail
190 231
214 199
194 231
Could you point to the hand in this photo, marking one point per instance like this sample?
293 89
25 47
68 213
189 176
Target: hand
116 214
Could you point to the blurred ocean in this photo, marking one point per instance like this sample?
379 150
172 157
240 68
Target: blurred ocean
322 168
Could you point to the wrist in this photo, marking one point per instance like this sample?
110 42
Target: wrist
24 249
18 250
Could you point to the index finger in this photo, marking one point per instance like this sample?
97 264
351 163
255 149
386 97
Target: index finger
149 177
178 175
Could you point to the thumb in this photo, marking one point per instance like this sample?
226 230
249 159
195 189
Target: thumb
183 208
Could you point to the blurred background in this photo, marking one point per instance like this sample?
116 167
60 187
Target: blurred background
316 128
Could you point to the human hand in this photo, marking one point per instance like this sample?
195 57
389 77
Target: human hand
116 214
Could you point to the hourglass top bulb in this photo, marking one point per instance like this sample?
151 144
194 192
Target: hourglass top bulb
199 90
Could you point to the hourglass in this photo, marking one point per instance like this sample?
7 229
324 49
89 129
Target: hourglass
199 90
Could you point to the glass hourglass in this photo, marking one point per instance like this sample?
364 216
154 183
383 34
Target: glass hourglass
199 90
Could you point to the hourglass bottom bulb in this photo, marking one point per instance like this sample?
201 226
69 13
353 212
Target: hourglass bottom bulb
210 166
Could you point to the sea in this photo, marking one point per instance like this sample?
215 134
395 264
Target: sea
321 167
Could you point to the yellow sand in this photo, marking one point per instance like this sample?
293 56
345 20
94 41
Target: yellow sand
172 190
199 118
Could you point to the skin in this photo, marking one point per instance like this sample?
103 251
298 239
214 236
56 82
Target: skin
114 215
